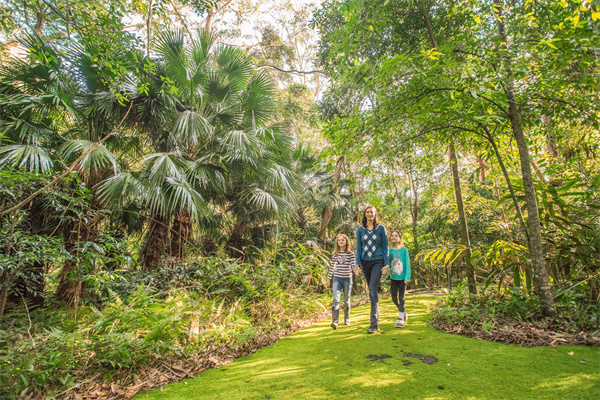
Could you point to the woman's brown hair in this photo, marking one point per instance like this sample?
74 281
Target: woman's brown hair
346 248
364 221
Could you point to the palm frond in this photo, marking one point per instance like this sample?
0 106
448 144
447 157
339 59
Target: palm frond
257 100
266 201
123 188
207 172
242 146
191 128
96 160
180 195
235 65
160 166
32 157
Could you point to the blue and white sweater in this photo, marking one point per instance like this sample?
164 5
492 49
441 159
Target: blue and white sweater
372 245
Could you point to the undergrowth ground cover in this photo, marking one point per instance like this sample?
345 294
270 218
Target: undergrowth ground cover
415 362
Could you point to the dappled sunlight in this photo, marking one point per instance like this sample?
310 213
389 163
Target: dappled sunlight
571 382
416 362
281 371
377 381
249 362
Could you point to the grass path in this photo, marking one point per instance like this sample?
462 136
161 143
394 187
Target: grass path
319 363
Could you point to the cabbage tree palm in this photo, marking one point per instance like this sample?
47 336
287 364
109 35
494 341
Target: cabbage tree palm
216 134
48 120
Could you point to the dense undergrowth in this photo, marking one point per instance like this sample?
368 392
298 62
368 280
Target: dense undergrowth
176 311
578 312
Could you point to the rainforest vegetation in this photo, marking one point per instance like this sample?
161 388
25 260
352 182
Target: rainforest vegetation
173 174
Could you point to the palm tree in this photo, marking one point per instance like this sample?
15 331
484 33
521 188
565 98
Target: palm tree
51 113
216 141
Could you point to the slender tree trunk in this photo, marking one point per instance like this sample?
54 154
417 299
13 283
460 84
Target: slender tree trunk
482 168
6 282
337 172
540 273
425 12
209 17
149 28
509 185
154 246
414 212
464 229
551 142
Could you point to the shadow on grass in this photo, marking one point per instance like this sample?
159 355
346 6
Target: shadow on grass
320 363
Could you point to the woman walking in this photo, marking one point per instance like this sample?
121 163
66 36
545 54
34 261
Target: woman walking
372 258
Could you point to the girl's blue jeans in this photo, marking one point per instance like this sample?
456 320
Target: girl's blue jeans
340 284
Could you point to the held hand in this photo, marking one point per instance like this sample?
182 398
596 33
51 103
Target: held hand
358 271
328 282
385 269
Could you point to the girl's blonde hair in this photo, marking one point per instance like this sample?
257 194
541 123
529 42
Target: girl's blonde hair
346 248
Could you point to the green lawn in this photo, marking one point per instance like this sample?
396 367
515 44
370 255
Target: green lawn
319 363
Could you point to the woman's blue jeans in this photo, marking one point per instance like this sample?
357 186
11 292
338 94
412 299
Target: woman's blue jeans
340 284
372 271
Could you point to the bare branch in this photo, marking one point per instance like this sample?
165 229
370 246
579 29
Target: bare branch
291 71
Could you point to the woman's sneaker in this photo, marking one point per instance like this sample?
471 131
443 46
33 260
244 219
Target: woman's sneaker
373 328
400 323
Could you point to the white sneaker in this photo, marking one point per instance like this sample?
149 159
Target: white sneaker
400 323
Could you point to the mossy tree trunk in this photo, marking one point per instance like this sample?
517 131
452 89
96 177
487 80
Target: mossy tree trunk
540 273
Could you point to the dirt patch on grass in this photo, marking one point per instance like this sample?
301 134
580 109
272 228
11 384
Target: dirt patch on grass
429 360
523 335
378 357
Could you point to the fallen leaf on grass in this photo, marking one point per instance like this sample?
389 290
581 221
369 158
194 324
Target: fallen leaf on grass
448 364
583 362
571 353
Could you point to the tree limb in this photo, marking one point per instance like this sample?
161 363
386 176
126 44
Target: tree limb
291 71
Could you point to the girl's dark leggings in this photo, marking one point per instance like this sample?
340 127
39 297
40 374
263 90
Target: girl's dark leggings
398 289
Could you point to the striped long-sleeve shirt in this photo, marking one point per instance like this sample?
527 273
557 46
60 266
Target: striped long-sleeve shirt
341 265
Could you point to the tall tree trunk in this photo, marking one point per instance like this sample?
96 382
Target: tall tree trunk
6 282
235 242
149 28
209 16
154 246
180 233
540 273
482 168
508 184
32 287
551 142
337 172
464 229
414 212
425 12
70 286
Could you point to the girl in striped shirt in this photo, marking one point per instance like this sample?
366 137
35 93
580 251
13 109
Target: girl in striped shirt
341 267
